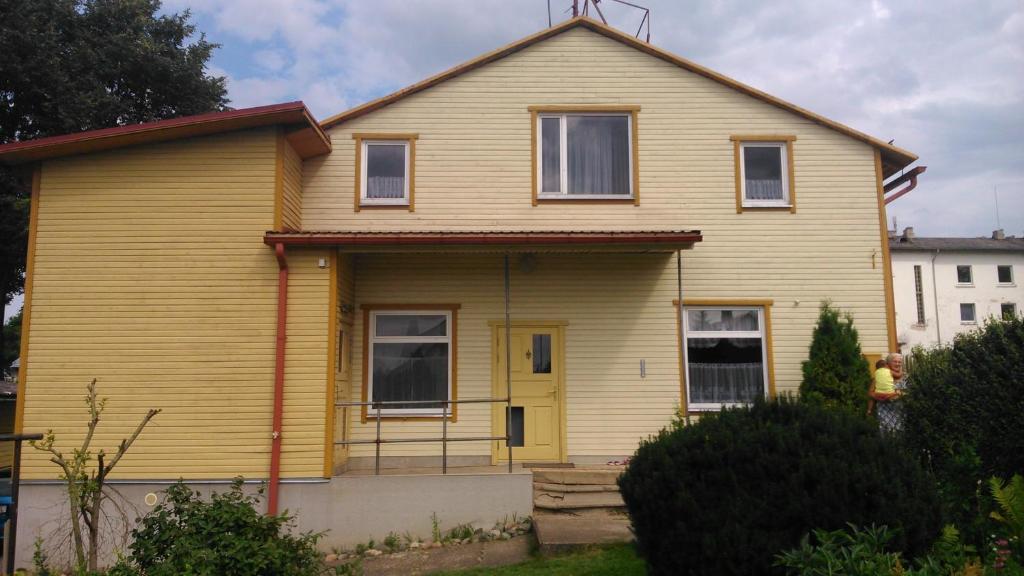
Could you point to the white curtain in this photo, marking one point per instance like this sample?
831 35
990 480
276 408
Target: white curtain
385 187
715 383
598 154
763 189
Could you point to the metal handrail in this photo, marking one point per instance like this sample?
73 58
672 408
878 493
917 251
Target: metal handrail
444 439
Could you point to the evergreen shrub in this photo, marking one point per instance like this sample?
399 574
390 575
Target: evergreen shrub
835 373
726 494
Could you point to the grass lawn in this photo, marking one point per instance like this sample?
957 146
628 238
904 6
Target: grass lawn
618 560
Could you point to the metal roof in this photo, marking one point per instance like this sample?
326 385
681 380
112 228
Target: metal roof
1009 244
305 134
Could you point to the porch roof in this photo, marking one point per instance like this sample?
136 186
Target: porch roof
489 240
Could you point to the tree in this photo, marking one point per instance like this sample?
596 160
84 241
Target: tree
72 65
835 373
86 488
12 344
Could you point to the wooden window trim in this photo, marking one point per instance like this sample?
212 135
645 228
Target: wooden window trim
764 303
333 349
453 309
788 141
410 139
631 109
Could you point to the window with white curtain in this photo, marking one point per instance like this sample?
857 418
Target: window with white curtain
585 155
385 172
763 167
410 360
726 356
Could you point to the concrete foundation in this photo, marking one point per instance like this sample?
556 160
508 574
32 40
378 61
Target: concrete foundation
352 509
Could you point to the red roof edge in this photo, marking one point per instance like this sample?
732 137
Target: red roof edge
315 141
482 238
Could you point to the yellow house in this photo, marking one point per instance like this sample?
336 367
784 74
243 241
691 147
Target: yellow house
310 302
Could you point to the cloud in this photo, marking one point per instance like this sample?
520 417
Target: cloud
942 78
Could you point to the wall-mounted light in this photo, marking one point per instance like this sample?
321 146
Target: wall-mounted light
347 308
321 262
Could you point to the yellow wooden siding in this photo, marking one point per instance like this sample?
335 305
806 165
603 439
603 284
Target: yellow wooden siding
291 208
151 276
473 172
618 308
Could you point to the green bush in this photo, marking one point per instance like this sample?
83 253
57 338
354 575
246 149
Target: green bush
222 536
964 412
969 397
835 373
725 495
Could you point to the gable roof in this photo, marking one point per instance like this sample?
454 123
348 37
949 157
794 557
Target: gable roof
894 158
304 133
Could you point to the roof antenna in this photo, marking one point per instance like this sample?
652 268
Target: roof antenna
646 20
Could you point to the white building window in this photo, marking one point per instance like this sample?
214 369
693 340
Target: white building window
726 356
410 360
764 174
1005 274
919 295
1008 310
585 155
967 314
964 274
385 172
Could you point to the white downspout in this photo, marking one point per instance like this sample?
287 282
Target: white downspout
935 298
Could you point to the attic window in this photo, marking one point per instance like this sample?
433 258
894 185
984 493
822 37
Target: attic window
385 171
764 172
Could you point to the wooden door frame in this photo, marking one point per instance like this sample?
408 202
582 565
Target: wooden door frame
558 328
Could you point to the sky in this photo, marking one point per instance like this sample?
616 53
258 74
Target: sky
943 78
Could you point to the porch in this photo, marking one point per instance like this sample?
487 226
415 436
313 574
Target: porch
424 380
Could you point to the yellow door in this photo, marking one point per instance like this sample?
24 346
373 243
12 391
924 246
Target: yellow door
536 423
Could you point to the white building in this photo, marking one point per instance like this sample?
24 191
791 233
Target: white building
946 286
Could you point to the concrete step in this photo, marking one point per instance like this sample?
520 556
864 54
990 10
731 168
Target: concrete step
558 533
600 476
576 500
575 487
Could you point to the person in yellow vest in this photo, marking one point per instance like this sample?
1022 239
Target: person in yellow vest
884 385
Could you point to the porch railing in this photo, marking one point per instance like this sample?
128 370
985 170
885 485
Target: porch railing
380 405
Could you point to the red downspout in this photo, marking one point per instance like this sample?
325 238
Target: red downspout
911 177
282 337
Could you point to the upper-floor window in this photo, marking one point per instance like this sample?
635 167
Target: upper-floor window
585 155
385 170
764 172
1005 274
964 274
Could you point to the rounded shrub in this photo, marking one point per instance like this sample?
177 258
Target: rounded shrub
725 495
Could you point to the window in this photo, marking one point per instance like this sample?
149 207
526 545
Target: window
764 172
964 275
385 171
1008 310
967 314
410 359
1005 274
726 356
919 295
585 155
